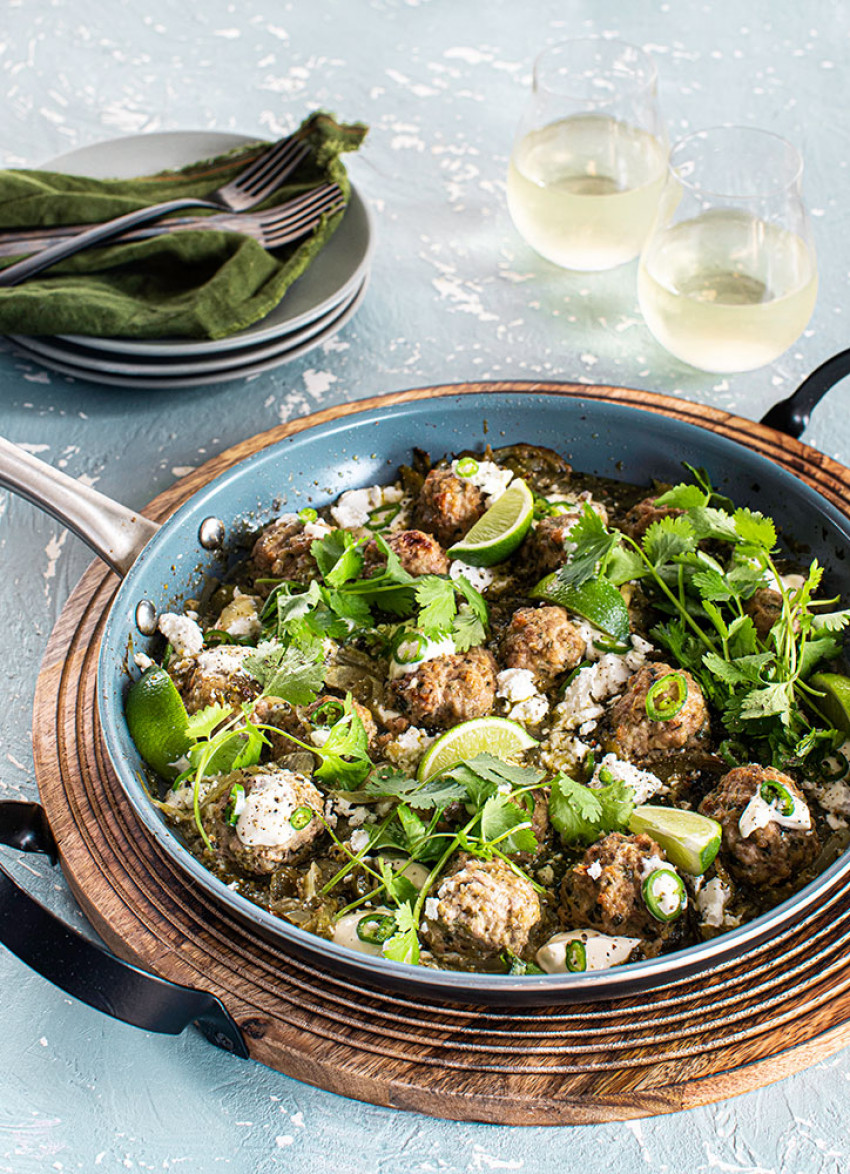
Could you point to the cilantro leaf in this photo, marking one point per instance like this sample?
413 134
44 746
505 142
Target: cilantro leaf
467 630
399 889
345 754
683 497
436 600
403 946
755 529
201 724
593 542
287 672
506 824
434 793
339 556
582 813
668 538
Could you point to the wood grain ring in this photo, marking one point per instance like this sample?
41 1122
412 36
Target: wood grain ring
729 1030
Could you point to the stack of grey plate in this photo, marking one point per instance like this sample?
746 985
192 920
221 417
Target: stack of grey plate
316 306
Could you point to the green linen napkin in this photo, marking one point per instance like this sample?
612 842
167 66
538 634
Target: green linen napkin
205 284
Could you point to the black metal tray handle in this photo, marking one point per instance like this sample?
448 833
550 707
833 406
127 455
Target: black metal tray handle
792 415
86 970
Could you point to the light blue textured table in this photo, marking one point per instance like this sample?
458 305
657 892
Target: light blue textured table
455 295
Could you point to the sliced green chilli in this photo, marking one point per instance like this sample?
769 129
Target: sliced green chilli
327 714
407 647
235 804
300 817
772 791
308 514
467 467
664 894
575 956
376 928
666 697
380 517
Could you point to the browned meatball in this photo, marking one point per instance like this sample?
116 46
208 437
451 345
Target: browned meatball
542 639
632 734
419 553
283 552
448 689
769 855
764 609
544 548
262 836
214 676
448 506
604 890
483 907
641 516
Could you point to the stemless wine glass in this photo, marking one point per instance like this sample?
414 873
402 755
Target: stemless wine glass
728 278
590 155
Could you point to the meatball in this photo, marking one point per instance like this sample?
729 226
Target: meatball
448 506
631 732
447 689
604 890
545 547
641 516
214 676
419 553
283 552
769 855
764 608
263 835
483 907
543 640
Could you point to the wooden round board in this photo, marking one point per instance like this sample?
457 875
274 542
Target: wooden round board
740 1026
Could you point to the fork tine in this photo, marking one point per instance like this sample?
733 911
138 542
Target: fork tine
295 208
274 237
265 173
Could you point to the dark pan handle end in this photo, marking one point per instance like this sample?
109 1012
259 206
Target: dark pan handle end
84 969
792 415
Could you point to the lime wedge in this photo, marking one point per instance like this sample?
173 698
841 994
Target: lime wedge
598 601
835 703
500 530
690 841
157 720
498 736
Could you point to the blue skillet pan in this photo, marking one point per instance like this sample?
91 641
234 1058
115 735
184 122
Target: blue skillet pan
312 466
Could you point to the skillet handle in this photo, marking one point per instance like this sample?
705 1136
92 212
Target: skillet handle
87 971
792 415
111 530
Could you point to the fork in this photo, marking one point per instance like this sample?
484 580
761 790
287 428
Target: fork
247 190
272 227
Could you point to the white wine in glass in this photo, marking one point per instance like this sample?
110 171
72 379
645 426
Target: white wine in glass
727 282
590 155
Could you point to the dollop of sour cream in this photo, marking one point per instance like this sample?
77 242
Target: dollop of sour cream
602 950
759 813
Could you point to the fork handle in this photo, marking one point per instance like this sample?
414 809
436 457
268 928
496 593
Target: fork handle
22 270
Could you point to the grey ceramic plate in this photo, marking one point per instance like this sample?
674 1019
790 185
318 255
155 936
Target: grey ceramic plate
337 272
93 359
248 365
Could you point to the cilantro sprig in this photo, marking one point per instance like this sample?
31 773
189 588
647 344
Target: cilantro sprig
702 567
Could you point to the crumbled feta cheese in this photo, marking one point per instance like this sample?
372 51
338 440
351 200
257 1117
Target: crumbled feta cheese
407 749
546 875
480 577
318 529
432 907
652 864
359 840
142 662
182 633
517 687
184 795
319 736
759 813
490 479
711 902
644 782
602 950
426 650
594 870
353 508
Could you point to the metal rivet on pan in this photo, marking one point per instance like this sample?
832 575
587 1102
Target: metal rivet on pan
211 533
146 617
